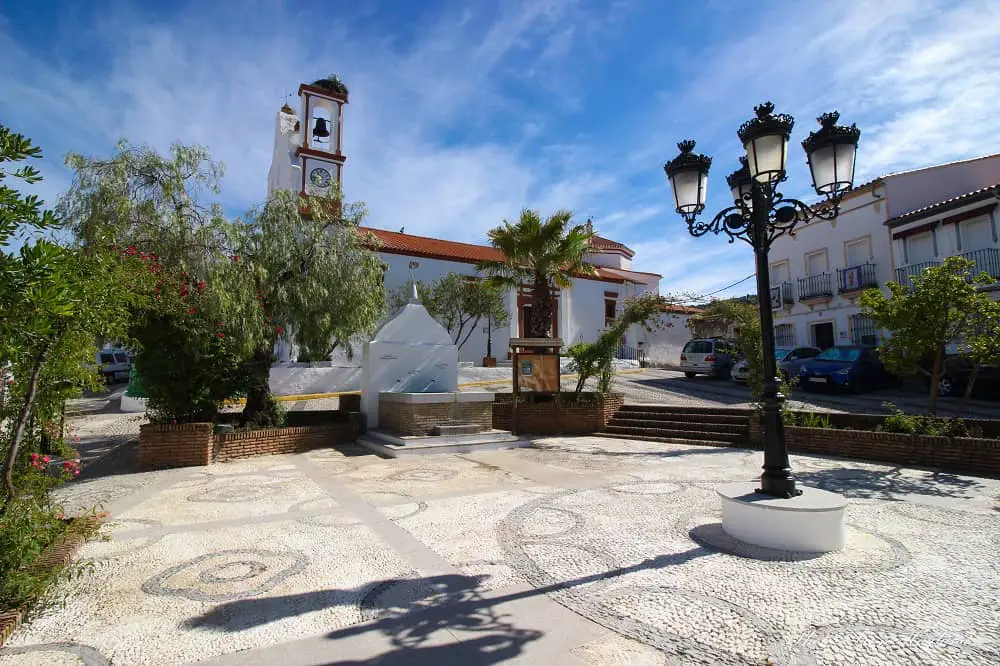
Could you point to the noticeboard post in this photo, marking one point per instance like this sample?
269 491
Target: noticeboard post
536 369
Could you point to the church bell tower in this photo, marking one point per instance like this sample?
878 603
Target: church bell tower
308 145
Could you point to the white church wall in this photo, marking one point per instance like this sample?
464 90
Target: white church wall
664 343
429 270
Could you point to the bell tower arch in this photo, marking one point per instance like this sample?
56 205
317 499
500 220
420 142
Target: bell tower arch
320 150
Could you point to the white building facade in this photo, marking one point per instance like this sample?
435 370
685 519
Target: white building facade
887 229
308 158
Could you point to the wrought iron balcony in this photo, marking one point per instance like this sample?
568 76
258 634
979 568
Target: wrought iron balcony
782 295
987 261
816 287
904 274
856 278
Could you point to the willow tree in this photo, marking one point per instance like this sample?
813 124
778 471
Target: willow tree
543 254
299 265
292 263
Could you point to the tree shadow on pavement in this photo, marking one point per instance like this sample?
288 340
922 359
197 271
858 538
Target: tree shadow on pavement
892 484
445 619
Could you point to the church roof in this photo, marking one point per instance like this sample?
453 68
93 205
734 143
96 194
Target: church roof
601 243
394 242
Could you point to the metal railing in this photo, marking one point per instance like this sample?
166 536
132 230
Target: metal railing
904 274
863 330
784 335
987 261
856 278
630 353
815 286
782 295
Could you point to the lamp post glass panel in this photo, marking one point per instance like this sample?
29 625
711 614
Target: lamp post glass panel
759 215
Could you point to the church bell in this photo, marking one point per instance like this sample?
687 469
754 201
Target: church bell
321 130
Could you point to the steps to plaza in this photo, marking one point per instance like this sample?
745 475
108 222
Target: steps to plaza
707 426
390 445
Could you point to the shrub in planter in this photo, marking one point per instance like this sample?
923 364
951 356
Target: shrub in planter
900 422
189 367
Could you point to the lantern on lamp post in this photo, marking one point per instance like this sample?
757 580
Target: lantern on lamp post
759 215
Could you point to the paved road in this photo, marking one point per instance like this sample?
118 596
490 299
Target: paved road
672 387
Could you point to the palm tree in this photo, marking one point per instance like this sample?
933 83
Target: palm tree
544 254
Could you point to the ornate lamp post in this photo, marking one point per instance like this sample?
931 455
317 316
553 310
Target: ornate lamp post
761 214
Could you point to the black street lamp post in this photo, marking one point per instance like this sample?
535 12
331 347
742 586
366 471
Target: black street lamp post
760 215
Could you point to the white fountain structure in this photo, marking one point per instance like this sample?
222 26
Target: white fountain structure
412 364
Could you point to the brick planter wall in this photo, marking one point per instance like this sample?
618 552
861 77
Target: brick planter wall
959 454
182 445
193 444
272 441
419 418
590 414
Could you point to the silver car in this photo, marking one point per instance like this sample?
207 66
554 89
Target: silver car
708 356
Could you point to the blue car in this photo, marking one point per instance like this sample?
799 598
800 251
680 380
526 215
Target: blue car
849 368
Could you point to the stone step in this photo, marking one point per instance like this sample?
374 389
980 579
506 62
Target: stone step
458 429
677 434
733 428
679 409
670 440
682 416
391 446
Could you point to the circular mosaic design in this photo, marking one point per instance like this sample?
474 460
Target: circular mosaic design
403 511
947 517
425 474
234 492
858 644
226 575
649 560
81 654
116 548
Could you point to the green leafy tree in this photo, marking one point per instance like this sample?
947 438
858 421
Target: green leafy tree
298 264
291 264
543 254
18 210
596 359
458 302
943 306
983 345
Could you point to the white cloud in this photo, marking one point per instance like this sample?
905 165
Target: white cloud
482 114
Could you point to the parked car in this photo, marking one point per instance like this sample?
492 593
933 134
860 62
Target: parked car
114 363
789 359
708 356
956 373
850 368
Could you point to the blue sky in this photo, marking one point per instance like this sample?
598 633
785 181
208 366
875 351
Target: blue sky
463 113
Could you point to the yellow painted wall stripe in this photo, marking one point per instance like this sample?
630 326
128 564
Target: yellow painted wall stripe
337 394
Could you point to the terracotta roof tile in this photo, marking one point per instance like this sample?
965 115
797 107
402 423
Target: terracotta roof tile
394 242
602 243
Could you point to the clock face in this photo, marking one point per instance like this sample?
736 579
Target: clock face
320 177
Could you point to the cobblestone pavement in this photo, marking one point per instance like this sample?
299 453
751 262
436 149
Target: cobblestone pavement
578 550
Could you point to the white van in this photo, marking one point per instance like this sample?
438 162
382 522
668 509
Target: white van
114 364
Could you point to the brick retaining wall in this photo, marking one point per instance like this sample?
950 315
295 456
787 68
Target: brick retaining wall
419 418
194 444
959 454
272 441
547 417
180 445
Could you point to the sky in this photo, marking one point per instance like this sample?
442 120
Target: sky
461 114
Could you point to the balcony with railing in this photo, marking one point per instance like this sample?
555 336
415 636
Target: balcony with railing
904 274
782 295
987 261
816 288
856 278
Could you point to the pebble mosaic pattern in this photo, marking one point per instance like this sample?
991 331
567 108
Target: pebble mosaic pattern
624 533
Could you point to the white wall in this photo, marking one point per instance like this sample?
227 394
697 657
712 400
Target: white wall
285 172
915 189
664 343
428 271
862 215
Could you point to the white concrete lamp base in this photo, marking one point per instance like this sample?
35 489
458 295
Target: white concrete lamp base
813 522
